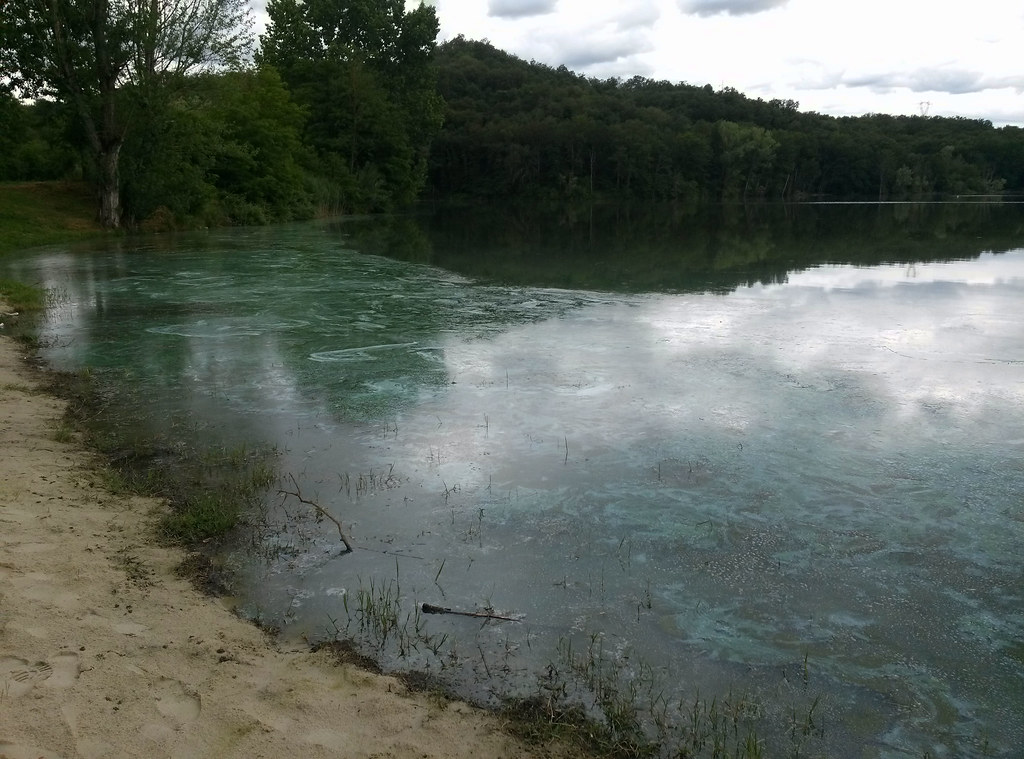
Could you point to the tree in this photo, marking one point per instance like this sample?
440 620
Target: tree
519 128
13 134
108 59
226 151
364 71
36 141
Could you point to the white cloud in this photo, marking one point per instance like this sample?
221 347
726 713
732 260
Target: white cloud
951 81
585 53
600 43
639 15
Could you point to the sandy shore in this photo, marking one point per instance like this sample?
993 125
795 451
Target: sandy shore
106 652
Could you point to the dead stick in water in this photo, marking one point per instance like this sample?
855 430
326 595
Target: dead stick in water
431 609
320 509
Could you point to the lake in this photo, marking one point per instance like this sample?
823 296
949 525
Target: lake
769 456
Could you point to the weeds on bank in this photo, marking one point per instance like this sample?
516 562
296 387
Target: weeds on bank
371 482
601 704
41 213
208 489
216 487
20 298
593 701
380 620
623 711
378 610
17 387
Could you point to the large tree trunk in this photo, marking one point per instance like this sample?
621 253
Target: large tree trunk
108 185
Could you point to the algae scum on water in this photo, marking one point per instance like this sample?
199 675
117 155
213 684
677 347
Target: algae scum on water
786 498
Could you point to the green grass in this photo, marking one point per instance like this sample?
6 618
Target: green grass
209 486
41 213
20 297
210 491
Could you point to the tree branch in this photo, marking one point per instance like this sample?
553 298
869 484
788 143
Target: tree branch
297 494
431 609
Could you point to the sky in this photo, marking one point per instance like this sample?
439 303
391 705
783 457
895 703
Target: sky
836 57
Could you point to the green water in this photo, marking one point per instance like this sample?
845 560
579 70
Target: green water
777 451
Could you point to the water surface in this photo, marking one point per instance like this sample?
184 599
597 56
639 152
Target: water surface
778 453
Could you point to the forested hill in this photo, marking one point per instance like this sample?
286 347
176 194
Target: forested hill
518 128
346 112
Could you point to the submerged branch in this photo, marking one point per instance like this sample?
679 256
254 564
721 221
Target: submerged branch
297 494
431 609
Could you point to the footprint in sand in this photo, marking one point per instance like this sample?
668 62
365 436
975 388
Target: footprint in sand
66 670
18 676
176 702
16 751
39 586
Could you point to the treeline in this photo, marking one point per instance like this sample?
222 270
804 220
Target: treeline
352 107
157 107
518 128
227 149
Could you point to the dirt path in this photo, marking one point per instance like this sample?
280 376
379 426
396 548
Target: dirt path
105 652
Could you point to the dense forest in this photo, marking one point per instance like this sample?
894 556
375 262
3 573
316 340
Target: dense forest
514 127
354 107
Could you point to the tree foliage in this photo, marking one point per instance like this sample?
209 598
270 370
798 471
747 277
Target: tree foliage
111 59
36 141
344 112
226 151
364 71
520 128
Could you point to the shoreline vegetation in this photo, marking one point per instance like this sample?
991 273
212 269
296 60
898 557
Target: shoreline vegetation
39 213
307 130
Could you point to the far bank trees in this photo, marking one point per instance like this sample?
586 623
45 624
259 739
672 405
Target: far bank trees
521 129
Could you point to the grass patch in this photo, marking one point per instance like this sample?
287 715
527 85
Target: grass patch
622 712
209 486
17 387
569 731
236 487
41 213
65 433
20 297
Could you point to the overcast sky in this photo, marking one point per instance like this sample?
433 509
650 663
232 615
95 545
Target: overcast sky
832 56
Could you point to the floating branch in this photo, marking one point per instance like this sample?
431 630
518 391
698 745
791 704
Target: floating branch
297 494
431 609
